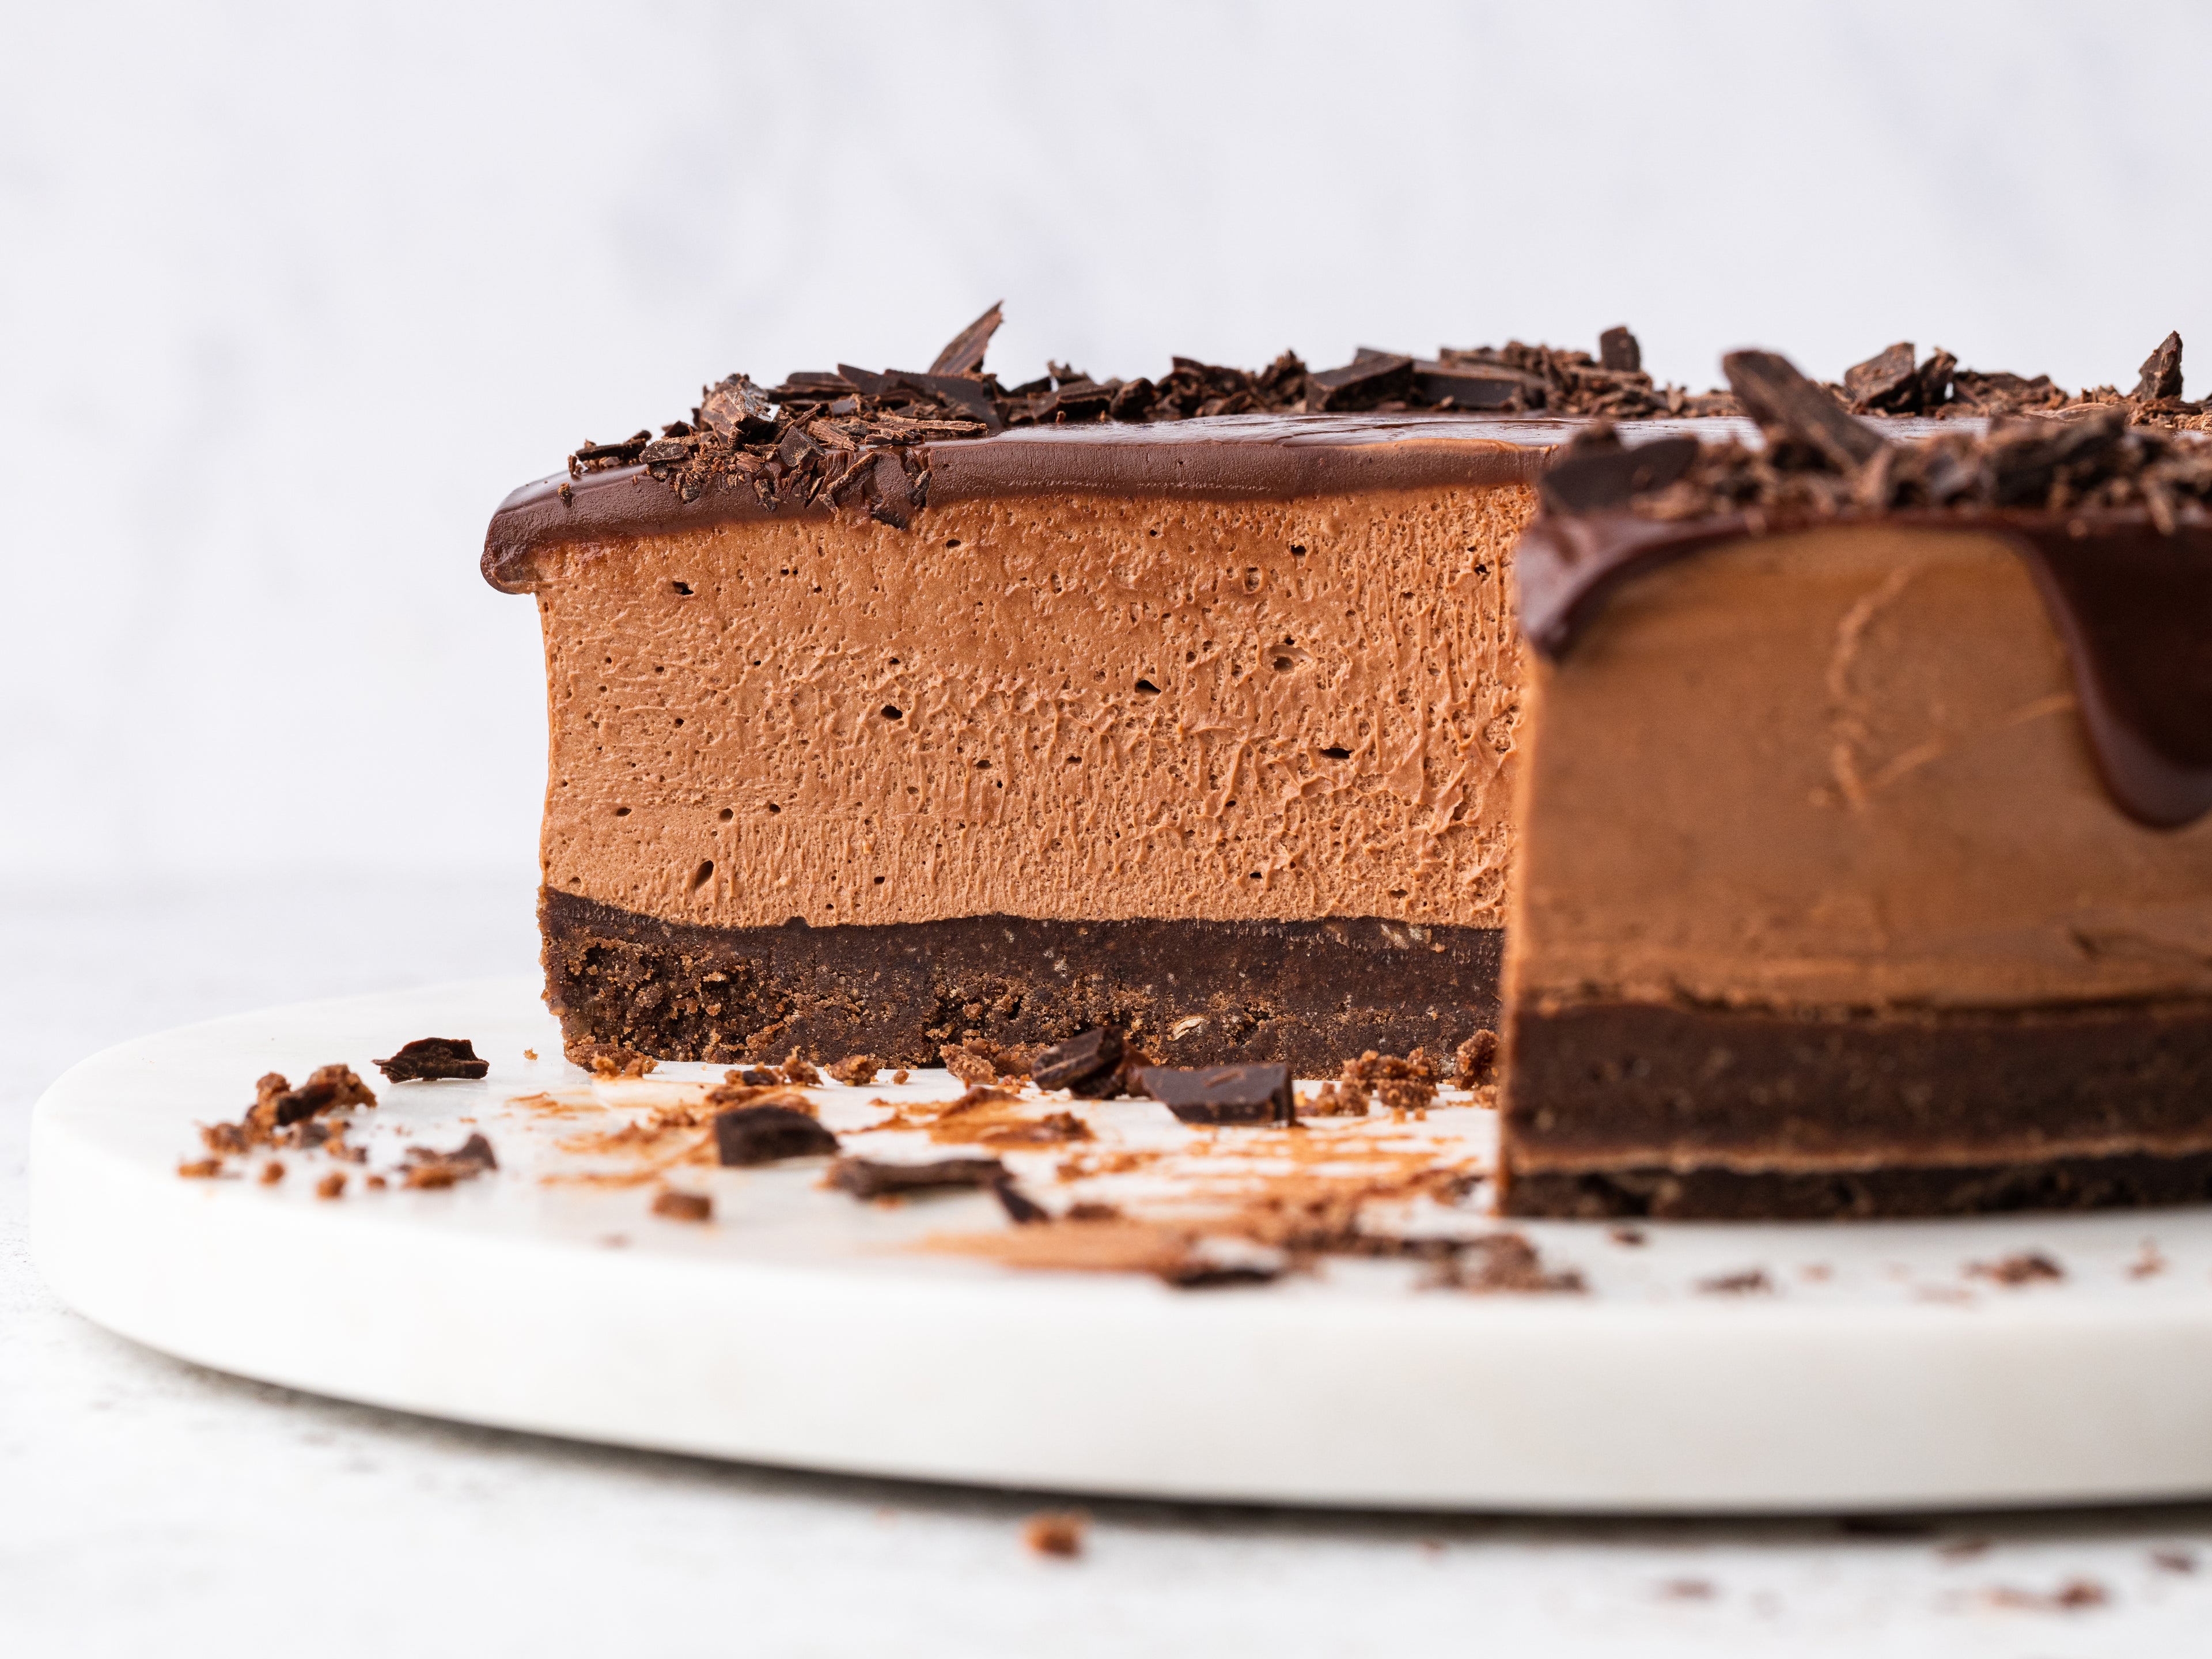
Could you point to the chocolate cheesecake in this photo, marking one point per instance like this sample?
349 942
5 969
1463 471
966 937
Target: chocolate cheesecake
1866 822
890 710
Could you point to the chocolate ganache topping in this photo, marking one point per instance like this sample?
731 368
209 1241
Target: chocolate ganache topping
884 445
2107 496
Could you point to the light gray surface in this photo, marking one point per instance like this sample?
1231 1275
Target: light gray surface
147 1506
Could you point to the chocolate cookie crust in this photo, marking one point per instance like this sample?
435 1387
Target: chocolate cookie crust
1302 993
1854 1114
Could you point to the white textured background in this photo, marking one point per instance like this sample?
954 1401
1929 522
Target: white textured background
290 296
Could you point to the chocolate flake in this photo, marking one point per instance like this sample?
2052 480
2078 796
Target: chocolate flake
1079 1062
867 1178
1021 1209
1790 406
429 1170
1249 1093
847 439
2026 1267
747 1135
1618 350
1753 1281
1887 383
1597 471
2161 375
963 353
428 1059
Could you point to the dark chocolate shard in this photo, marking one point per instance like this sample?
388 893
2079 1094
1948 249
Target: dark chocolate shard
963 353
277 1104
808 386
1222 1093
2161 371
891 497
1887 383
746 1135
1197 1273
866 381
1935 378
735 406
971 397
1618 350
1478 386
1079 1060
1995 391
863 1177
1360 385
427 1060
1778 398
1021 1209
428 1171
1592 478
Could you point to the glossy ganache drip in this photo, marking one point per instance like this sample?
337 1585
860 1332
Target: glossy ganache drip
2111 512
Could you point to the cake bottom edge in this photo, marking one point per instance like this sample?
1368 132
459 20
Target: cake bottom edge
1309 994
1712 1192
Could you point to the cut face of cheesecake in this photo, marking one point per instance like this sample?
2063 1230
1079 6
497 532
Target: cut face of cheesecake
1865 864
1203 730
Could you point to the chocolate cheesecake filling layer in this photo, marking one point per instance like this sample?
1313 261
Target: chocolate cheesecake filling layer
1304 994
2133 604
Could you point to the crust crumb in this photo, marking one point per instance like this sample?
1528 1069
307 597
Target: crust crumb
683 1206
1057 1533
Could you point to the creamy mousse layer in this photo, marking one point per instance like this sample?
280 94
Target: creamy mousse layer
1054 705
1825 908
1841 769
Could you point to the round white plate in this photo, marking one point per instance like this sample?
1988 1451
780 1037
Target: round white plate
1880 1369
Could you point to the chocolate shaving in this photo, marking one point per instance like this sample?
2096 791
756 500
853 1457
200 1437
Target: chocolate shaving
1222 1093
429 1170
1021 1209
963 354
2161 376
849 438
1789 406
1597 471
748 1135
1887 383
2027 1268
865 1178
1618 351
1082 1061
429 1059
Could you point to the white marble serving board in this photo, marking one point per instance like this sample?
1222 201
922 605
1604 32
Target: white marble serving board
1878 1369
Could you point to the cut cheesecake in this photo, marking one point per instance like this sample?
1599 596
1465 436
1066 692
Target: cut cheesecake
1005 720
1865 862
